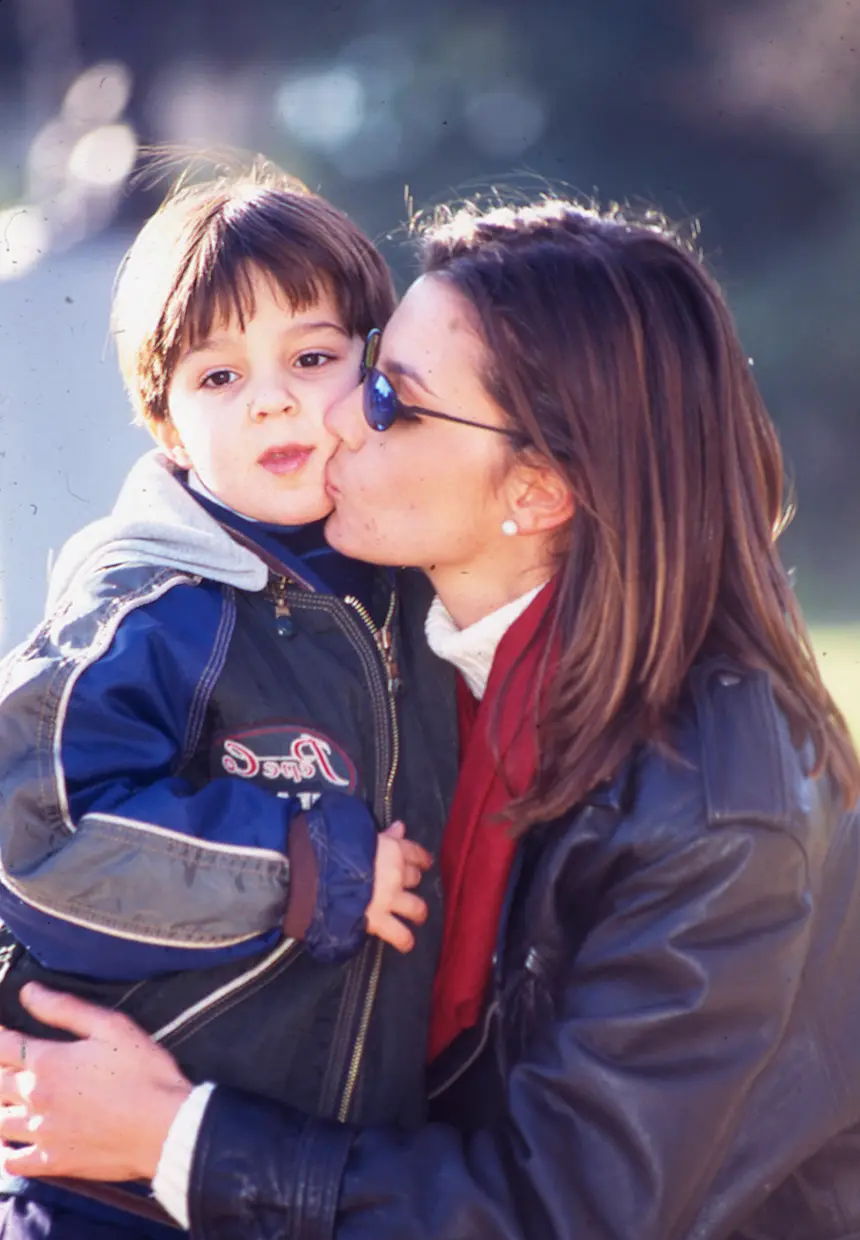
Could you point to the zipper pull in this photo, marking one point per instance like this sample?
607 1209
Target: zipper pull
389 658
283 616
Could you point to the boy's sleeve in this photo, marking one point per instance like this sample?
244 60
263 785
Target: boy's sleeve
112 863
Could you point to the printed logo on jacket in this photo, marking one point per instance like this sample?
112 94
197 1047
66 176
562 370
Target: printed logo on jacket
288 759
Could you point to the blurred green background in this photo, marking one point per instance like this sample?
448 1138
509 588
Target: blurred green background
838 651
743 114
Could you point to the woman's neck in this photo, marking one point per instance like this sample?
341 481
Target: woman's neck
472 650
469 594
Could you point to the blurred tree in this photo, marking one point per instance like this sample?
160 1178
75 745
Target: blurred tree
742 112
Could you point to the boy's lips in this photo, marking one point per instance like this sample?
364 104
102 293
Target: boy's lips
286 458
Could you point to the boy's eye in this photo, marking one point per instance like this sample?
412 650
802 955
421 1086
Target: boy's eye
219 378
313 359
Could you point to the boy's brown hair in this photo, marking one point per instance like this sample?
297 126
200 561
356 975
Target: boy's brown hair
191 266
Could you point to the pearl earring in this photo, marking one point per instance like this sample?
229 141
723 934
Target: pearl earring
510 527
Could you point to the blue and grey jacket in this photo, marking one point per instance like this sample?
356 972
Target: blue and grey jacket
188 693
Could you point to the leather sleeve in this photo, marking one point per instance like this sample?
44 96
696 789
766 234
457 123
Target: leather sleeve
263 1170
620 1107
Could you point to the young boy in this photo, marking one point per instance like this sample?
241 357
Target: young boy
199 743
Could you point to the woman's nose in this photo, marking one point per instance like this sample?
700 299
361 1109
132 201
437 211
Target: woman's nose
345 420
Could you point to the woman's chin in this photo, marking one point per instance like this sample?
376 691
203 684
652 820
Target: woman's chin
357 542
334 534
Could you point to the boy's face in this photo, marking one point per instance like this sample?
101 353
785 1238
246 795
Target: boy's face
247 407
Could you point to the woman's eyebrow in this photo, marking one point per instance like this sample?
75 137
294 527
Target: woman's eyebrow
409 372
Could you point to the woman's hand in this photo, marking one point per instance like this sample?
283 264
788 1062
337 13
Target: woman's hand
99 1108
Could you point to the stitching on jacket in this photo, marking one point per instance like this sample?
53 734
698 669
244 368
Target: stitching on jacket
20 653
238 861
187 1027
141 934
209 678
237 858
115 613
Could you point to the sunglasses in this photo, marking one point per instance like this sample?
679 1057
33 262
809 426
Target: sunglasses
382 406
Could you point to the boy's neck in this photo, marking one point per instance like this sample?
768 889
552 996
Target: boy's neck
200 488
195 484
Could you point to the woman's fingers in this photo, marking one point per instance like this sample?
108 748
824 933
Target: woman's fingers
14 1049
19 1132
9 1092
83 1019
71 1100
18 1125
29 1160
16 1087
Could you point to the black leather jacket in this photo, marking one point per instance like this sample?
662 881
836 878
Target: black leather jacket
673 1043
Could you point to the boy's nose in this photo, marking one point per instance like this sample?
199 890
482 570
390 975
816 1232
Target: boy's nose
345 420
268 401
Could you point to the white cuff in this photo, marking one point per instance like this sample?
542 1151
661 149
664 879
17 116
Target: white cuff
173 1173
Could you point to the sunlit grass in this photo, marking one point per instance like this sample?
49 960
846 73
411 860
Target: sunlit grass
838 650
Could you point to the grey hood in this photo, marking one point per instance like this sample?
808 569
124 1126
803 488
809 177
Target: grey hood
155 521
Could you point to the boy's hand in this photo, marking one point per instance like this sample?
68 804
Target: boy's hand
399 866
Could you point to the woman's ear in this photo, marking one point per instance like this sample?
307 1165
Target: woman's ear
540 498
168 437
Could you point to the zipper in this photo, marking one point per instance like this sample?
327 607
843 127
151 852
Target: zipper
385 645
361 1036
354 631
277 592
387 724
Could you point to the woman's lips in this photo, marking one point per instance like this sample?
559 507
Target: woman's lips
330 487
287 459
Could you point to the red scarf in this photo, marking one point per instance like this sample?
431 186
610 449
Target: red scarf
478 849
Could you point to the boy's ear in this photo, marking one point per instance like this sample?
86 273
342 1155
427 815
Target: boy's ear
168 437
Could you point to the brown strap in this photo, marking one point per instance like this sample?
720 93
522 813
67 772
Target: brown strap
113 1195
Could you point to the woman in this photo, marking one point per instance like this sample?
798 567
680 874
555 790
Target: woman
646 1010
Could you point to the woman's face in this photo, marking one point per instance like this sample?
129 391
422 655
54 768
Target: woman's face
426 493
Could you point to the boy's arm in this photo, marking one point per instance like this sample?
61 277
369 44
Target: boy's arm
111 861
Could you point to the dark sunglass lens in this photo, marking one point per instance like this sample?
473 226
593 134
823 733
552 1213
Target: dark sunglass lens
380 401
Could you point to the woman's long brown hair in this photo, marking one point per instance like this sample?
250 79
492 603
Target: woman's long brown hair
614 352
